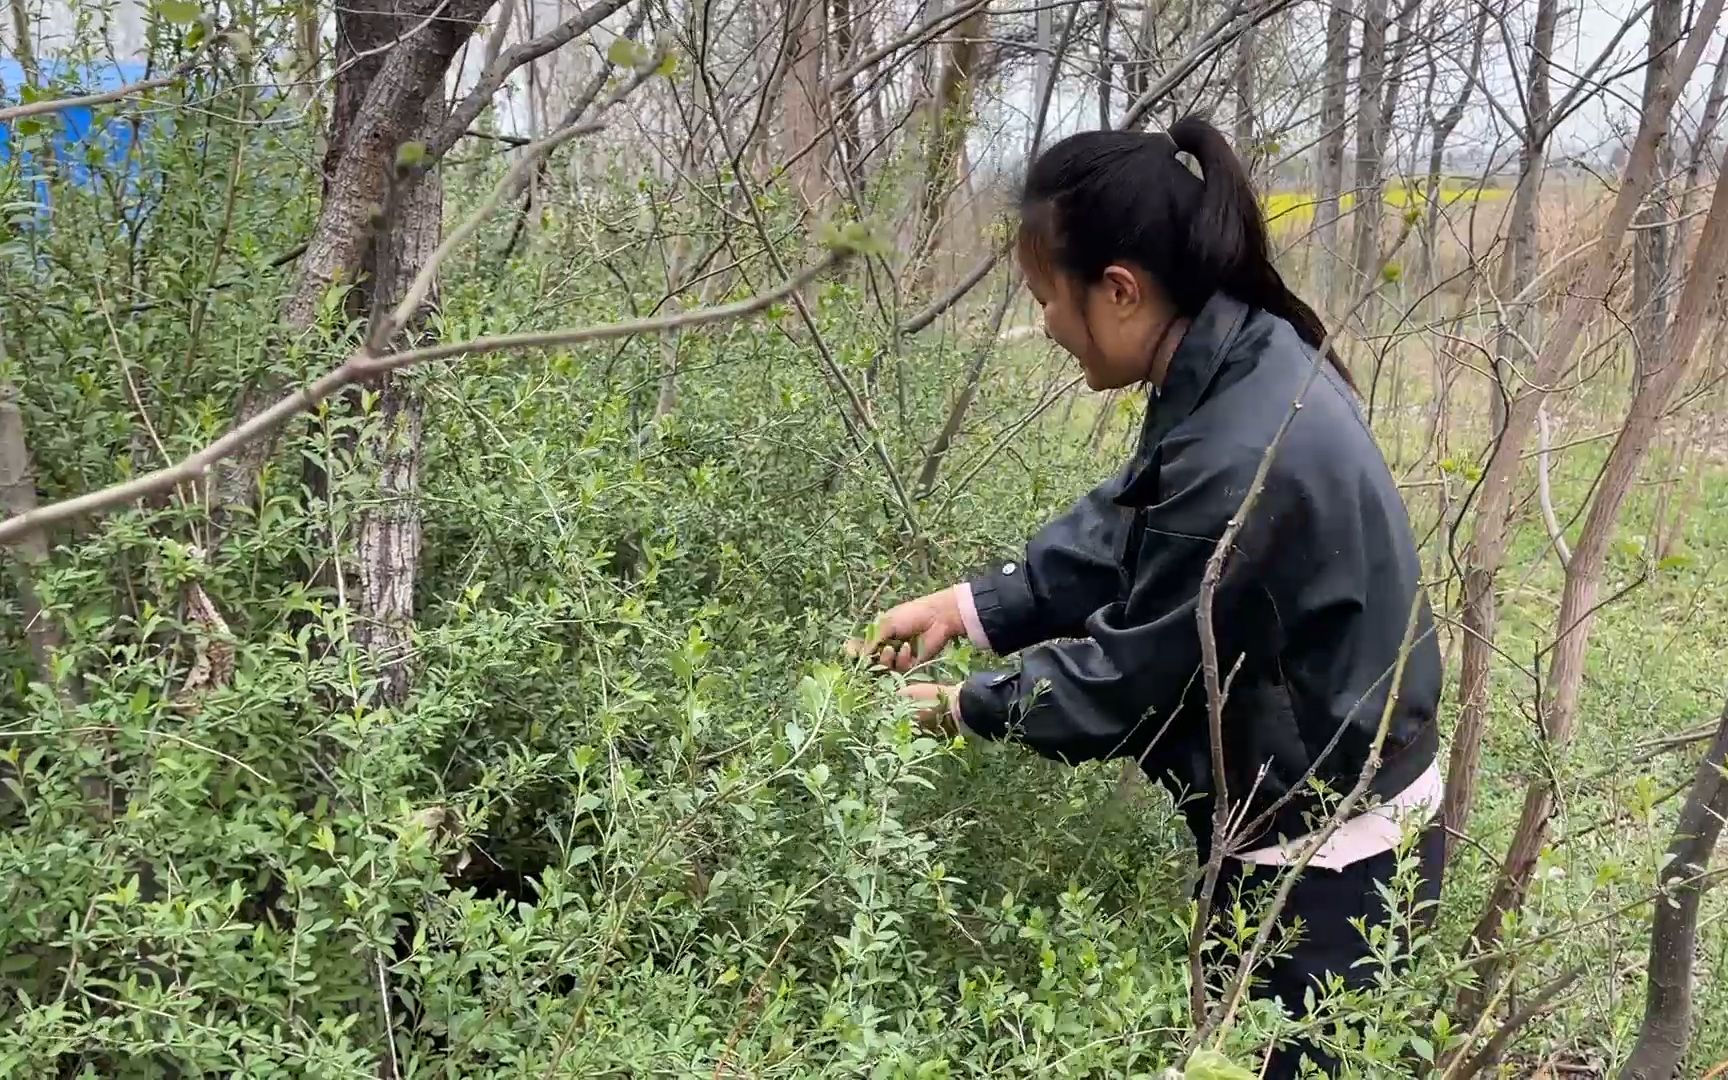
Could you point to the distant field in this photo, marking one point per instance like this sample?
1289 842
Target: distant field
1292 209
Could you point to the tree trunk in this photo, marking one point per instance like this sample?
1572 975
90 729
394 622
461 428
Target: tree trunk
1650 247
1442 128
30 552
308 43
1699 153
1106 68
950 119
1517 270
1242 81
387 539
1334 101
23 47
1667 1027
377 116
379 559
807 102
843 105
1370 153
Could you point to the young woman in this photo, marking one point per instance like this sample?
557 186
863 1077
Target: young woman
1149 273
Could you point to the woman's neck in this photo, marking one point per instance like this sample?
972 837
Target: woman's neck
1164 350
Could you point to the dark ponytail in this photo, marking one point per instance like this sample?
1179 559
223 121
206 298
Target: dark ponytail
1102 197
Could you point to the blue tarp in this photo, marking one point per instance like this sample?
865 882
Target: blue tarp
78 140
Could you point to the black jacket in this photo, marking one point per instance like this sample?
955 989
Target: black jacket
1314 600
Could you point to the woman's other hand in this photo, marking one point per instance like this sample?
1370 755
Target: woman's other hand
914 632
936 707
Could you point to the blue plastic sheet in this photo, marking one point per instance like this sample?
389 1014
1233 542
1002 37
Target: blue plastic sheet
82 146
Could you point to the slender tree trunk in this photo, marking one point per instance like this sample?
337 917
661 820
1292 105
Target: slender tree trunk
22 45
844 108
308 44
1578 601
1650 247
1334 101
1370 154
1667 1028
1479 615
1699 154
807 102
1442 128
1242 81
30 552
950 119
1106 68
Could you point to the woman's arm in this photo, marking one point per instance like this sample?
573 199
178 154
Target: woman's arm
1069 571
1103 697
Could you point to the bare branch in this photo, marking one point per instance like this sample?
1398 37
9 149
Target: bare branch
512 58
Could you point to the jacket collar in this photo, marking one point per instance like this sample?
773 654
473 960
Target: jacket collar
1193 366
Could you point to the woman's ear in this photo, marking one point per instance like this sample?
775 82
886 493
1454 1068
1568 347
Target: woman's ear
1122 288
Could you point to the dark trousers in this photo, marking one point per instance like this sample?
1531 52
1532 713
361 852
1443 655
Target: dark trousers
1327 943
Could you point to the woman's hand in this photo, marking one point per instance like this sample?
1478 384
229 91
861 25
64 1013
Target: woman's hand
936 715
914 632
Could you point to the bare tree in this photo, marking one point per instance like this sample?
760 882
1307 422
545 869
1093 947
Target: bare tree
1651 253
1667 1027
1370 151
1441 126
1335 78
30 550
948 120
1584 572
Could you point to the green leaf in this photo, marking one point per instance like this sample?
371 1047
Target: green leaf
668 65
178 12
1424 1049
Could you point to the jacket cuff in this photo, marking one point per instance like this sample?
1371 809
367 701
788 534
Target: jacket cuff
1005 608
969 616
955 714
985 701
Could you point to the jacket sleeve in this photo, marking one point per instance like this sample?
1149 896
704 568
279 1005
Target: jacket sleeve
1069 570
1108 695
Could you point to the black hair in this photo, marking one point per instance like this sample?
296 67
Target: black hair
1103 197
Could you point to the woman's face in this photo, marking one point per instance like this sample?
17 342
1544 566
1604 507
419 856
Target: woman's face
1111 326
